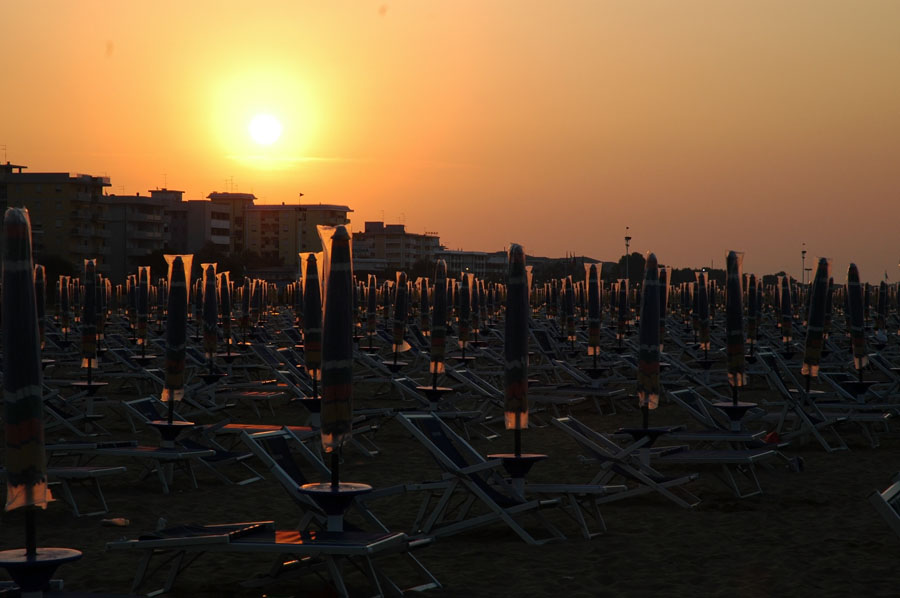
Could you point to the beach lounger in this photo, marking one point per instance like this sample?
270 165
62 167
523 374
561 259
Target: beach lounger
68 477
887 503
296 552
469 478
618 463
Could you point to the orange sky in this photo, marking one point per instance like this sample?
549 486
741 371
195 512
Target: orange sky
705 126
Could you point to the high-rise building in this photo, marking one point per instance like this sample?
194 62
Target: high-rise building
234 204
136 227
68 212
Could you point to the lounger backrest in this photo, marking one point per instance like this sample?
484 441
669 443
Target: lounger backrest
435 432
280 452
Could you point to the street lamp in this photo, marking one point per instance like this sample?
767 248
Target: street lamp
627 242
803 264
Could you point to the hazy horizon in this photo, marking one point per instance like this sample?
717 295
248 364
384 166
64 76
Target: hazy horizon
704 126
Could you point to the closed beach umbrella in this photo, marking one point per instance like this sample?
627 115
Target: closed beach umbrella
143 303
734 319
515 346
857 318
787 314
337 341
89 317
424 307
829 306
594 320
25 458
816 320
882 307
312 318
399 317
703 311
210 311
648 386
246 292
225 306
65 318
663 303
40 295
372 307
569 308
752 309
622 305
464 314
176 326
439 321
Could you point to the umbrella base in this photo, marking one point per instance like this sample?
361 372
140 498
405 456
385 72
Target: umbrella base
32 574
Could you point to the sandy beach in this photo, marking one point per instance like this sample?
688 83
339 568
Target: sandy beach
811 532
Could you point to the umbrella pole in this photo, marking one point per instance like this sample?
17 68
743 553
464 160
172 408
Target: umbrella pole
434 377
30 533
808 379
171 415
645 411
734 395
335 469
860 373
89 372
315 382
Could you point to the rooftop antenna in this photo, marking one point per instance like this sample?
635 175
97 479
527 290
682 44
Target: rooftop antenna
299 198
165 181
4 152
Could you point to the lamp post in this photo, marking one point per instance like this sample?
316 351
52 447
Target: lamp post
627 242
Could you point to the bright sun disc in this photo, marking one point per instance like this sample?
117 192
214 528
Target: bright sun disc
265 129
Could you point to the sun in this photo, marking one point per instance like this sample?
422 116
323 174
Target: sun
265 129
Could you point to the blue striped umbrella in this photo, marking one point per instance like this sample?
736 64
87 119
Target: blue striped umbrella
312 318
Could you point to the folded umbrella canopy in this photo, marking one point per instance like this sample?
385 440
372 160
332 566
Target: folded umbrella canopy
312 318
703 311
622 305
438 321
142 301
25 458
210 311
787 314
424 306
371 308
176 327
663 303
337 340
816 320
752 309
225 307
648 385
734 319
569 309
65 317
856 318
89 317
594 320
40 294
400 315
515 347
464 313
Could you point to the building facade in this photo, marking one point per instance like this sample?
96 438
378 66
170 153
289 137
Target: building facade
135 224
392 245
67 211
